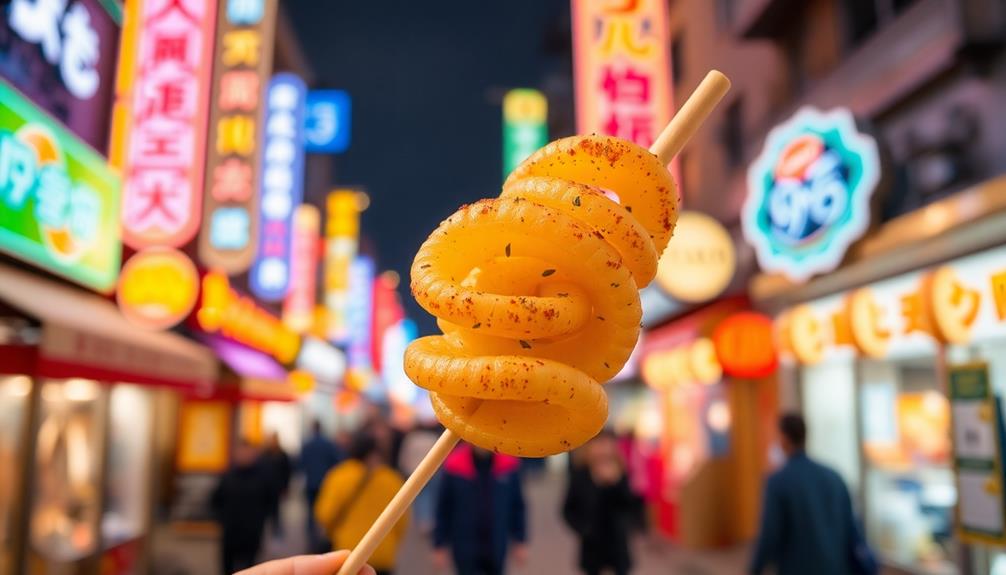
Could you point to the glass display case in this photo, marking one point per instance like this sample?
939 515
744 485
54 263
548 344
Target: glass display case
909 481
14 403
66 488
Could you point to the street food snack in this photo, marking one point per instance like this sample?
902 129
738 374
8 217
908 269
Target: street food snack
537 293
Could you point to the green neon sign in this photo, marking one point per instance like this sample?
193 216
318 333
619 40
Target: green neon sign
525 126
59 200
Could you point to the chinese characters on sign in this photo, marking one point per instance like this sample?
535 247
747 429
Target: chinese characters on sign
525 126
298 307
229 235
327 122
954 304
621 68
61 55
58 199
282 185
809 193
159 131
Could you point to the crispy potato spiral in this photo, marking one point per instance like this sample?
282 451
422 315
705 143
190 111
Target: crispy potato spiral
536 293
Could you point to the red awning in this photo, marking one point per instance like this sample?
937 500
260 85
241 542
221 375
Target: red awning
84 335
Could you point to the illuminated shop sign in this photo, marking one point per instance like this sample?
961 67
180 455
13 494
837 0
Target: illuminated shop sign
61 55
525 126
224 311
59 201
387 312
954 303
342 231
809 193
243 61
358 320
158 288
282 186
699 264
621 68
395 339
327 121
298 306
159 129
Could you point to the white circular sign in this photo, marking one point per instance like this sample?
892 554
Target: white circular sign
699 261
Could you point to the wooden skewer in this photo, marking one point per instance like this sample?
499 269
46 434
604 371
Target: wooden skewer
670 141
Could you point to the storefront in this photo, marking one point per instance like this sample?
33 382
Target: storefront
79 390
712 378
874 323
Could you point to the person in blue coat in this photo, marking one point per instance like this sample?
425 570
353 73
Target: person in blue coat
480 511
317 456
808 524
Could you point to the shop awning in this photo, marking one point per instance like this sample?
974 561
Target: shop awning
259 377
84 335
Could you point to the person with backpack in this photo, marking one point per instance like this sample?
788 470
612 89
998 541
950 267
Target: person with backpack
354 494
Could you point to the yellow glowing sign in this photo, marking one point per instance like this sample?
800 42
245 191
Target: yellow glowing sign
691 363
224 311
342 230
700 260
158 288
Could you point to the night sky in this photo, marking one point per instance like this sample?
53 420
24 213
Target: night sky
427 80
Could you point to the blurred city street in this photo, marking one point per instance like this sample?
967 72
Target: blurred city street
552 548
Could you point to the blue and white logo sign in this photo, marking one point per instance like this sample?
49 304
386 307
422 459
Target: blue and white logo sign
282 185
327 121
809 193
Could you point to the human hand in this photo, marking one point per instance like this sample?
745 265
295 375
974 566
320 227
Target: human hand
327 564
440 559
520 554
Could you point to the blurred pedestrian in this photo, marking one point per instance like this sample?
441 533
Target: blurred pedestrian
354 494
317 456
241 504
602 509
807 520
480 511
416 444
276 464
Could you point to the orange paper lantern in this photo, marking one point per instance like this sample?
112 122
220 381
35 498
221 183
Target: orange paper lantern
744 345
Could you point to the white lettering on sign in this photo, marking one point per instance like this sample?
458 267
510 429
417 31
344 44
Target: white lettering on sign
66 38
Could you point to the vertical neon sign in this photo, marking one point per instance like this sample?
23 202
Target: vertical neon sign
243 59
298 307
525 126
282 185
159 121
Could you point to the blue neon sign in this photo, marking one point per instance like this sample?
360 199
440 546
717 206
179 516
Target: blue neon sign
328 121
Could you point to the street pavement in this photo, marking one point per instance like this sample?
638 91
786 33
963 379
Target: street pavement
552 549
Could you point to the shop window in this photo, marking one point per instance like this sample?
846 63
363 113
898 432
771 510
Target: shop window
909 484
65 507
865 17
733 135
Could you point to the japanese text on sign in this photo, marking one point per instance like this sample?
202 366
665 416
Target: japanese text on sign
621 68
159 137
243 60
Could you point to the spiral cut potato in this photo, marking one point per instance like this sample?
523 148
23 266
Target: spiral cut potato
536 293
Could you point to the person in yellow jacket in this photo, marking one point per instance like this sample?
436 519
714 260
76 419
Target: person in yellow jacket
353 494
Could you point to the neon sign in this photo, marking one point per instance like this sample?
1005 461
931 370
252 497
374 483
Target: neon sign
298 307
809 193
342 230
61 55
328 121
224 311
59 201
525 126
159 121
158 288
358 319
230 228
282 186
621 68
